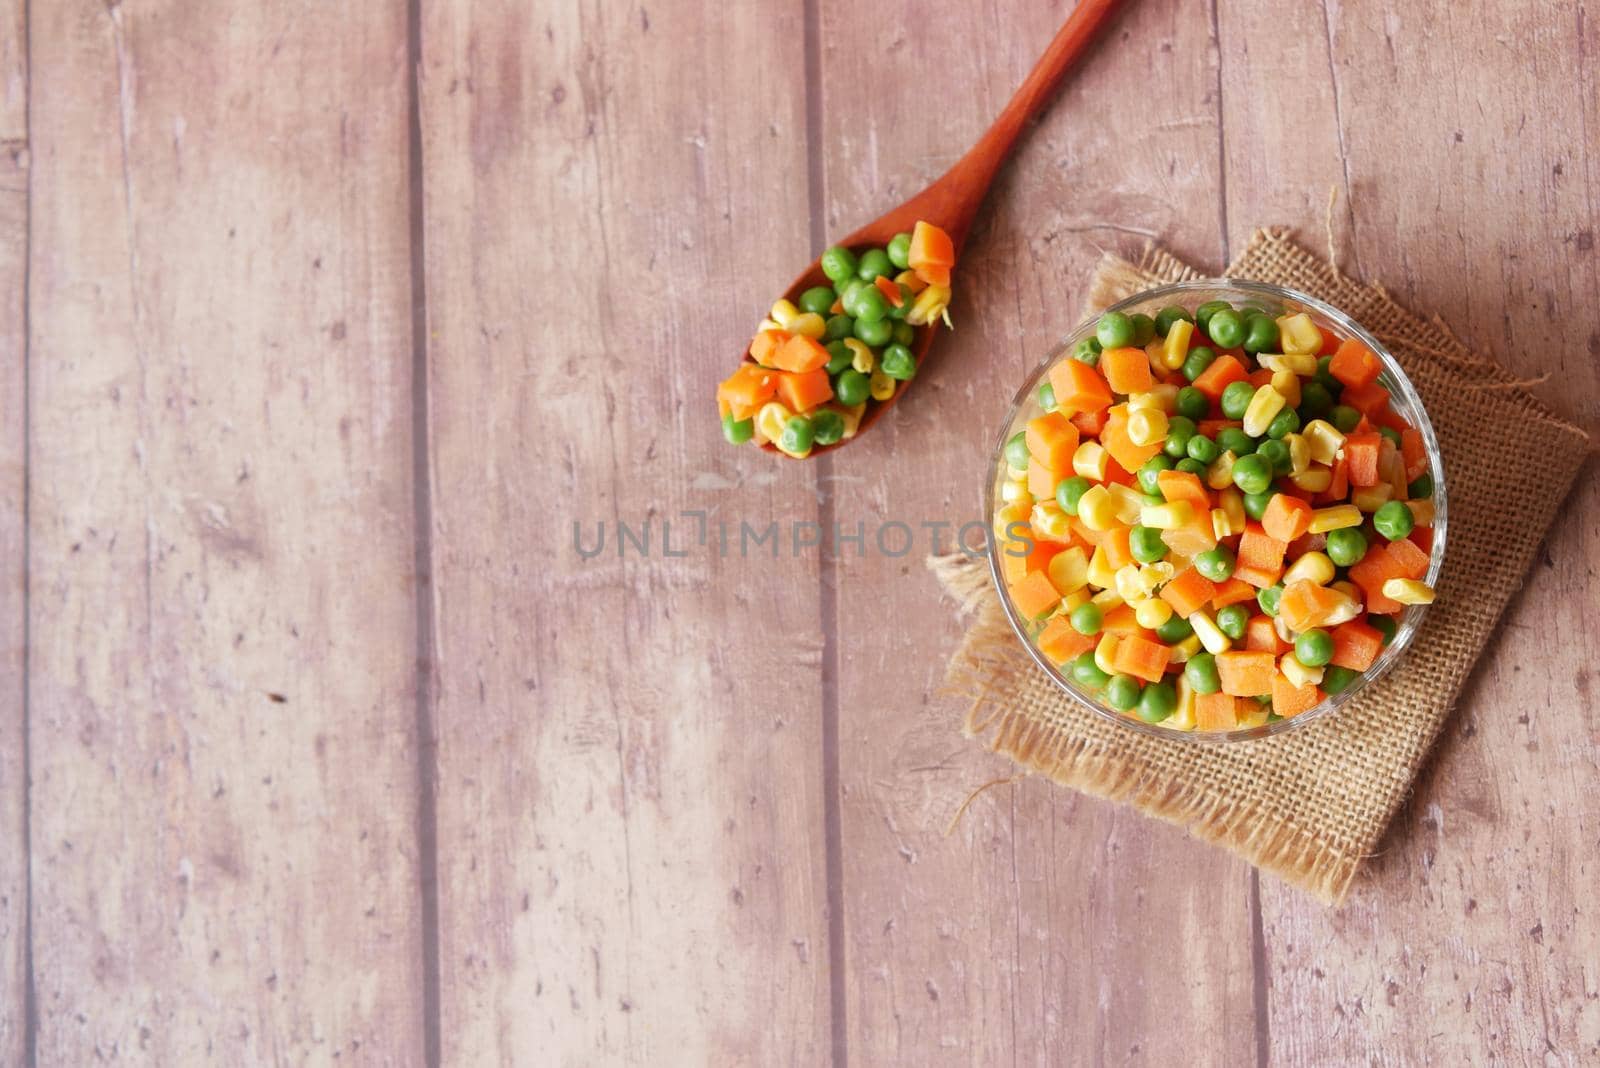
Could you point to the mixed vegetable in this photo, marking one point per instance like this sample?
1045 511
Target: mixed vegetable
1217 518
813 367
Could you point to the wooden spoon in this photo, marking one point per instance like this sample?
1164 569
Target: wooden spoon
953 200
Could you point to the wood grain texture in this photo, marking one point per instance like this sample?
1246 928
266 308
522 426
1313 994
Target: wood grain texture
1050 928
13 581
224 797
1468 143
630 808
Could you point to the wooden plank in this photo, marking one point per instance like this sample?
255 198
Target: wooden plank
630 783
13 461
1051 927
222 674
1472 186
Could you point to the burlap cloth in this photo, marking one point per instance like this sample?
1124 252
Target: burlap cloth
1308 806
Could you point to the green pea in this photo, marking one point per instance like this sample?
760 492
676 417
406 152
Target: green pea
1344 417
874 262
1193 404
1200 357
1260 333
1144 329
1203 314
1069 491
1086 618
1347 546
1017 451
1232 620
1114 331
1086 673
1325 376
1087 351
904 334
1275 453
1315 401
1216 564
1226 328
1391 433
1314 647
899 311
1284 423
1268 599
1273 717
797 435
817 299
1158 701
1236 399
737 431
898 363
1421 487
1201 671
851 389
1394 520
839 263
1122 692
899 250
1146 475
871 307
1169 315
1047 396
1146 545
874 332
839 357
827 427
1384 625
839 327
1180 428
1176 629
1203 449
1232 439
1191 465
1255 504
1335 679
850 291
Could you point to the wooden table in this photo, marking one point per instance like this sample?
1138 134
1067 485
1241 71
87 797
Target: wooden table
323 743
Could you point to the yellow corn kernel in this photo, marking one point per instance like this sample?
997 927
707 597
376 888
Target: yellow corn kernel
1421 511
1152 613
1097 509
861 358
1009 515
1129 502
1182 718
1299 453
767 324
1348 588
1072 600
1287 383
1069 570
1324 440
1106 600
1105 652
1346 610
1146 426
1313 479
1210 635
1298 334
809 324
1221 525
1101 575
1408 591
783 312
1015 491
1089 461
1186 649
1129 586
852 417
1285 632
1252 720
1336 518
770 420
1153 575
1371 498
1176 348
1050 522
1301 364
1264 407
911 280
1220 474
880 387
1314 566
929 305
1166 516
1232 500
1297 672
1161 397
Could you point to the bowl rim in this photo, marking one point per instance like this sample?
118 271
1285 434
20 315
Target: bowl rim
1410 621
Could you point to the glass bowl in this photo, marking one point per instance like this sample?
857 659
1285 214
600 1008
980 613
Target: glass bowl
1278 301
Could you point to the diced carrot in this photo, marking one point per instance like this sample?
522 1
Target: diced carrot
1079 387
1259 377
1115 546
930 247
1188 591
1361 454
1414 452
801 392
1261 635
1409 558
933 275
1379 566
1141 657
1356 645
766 343
1183 486
1306 543
1194 537
1339 488
1245 672
1043 552
1354 364
1041 480
1260 550
746 390
1089 424
1121 620
1013 549
1392 469
890 290
1052 440
1371 400
1060 642
1291 700
1081 531
1115 472
1034 595
1305 604
1212 427
1330 343
1223 372
1216 711
1422 538
1286 518
1258 577
1232 591
800 353
1114 436
1126 370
